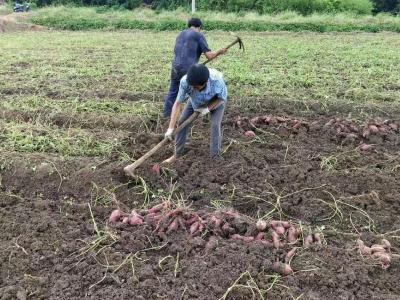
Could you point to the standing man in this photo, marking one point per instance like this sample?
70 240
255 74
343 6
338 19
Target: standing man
207 93
189 46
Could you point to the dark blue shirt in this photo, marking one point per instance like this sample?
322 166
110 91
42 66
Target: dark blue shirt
189 45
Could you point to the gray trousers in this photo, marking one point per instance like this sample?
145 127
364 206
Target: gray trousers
215 130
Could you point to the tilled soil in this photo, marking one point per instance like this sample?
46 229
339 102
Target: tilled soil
56 242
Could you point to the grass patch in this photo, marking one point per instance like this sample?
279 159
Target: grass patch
27 137
103 107
306 67
80 18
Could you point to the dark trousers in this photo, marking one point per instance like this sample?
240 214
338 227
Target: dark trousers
169 100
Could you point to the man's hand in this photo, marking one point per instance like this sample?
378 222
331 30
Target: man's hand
203 110
222 51
213 54
213 103
210 106
169 133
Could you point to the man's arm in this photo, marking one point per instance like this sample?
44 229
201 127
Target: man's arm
207 51
221 96
213 54
176 110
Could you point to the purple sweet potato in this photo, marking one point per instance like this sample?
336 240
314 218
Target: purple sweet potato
236 237
280 230
173 226
250 134
282 268
366 147
157 208
192 220
275 239
135 219
373 129
267 243
260 236
116 216
277 226
248 238
194 228
308 240
292 234
290 254
364 250
377 248
216 221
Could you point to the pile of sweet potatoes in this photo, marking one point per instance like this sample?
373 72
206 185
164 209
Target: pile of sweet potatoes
380 252
220 224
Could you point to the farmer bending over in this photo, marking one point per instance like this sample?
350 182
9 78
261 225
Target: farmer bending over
189 45
207 93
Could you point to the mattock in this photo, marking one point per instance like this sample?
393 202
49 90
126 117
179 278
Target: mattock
237 40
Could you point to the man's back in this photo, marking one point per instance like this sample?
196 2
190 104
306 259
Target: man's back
189 45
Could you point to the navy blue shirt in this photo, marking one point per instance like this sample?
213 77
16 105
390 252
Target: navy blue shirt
189 45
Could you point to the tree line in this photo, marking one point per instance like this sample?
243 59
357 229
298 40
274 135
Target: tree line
304 7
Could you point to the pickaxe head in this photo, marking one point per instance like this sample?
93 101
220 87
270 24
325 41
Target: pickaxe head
241 45
239 41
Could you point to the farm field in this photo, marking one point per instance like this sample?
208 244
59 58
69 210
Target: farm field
76 107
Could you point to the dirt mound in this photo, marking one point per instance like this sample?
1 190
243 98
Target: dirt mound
11 22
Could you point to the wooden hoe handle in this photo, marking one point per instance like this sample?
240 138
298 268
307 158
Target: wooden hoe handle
129 170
